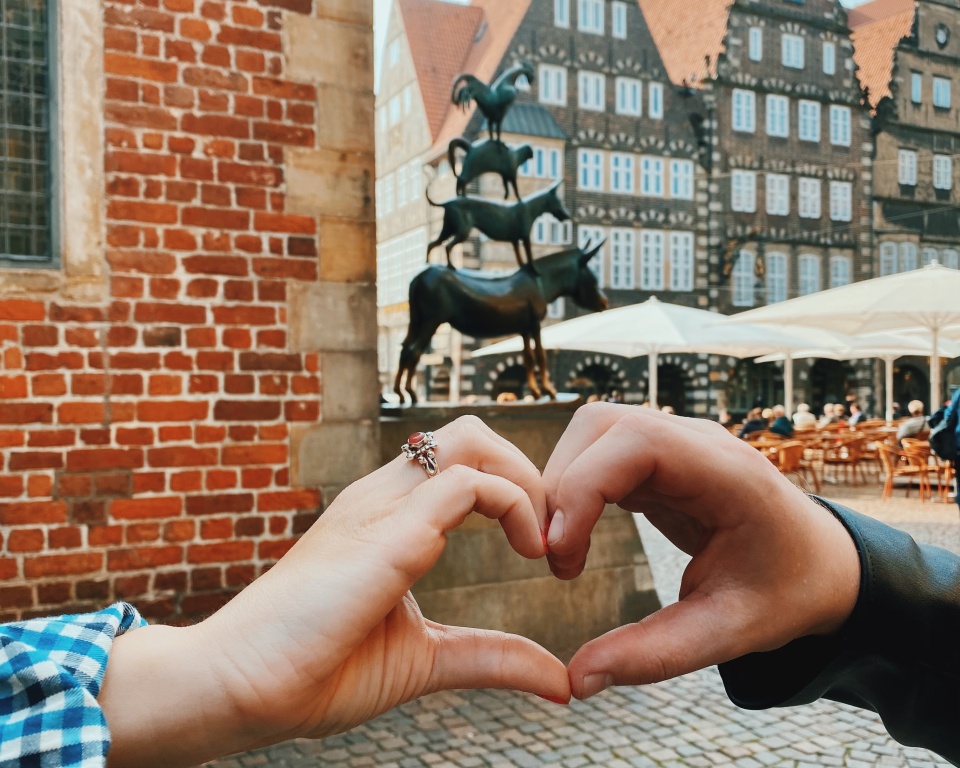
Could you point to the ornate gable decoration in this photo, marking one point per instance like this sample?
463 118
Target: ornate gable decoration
629 65
553 53
592 58
590 212
742 78
679 147
792 28
591 135
651 216
652 142
623 140
681 219
623 214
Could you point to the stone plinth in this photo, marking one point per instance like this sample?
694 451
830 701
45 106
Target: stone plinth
481 582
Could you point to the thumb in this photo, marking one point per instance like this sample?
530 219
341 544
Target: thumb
479 658
697 632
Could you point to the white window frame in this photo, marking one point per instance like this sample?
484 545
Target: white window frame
681 179
829 57
808 274
889 259
909 258
652 260
561 14
916 87
841 271
590 16
415 174
743 191
777 277
655 101
808 120
743 280
681 261
841 201
622 173
594 235
629 96
547 230
943 172
778 194
950 258
840 127
557 310
792 50
907 167
590 170
618 19
809 198
623 258
778 115
942 87
388 197
401 186
755 43
744 106
651 176
592 91
552 85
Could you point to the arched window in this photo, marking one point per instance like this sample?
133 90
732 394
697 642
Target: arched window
743 280
809 279
776 277
839 271
908 257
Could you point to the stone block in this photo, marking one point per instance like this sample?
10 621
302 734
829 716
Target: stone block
331 183
326 51
348 251
332 455
351 386
348 11
345 119
333 317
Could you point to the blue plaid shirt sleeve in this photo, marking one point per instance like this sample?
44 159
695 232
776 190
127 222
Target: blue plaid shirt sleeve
51 671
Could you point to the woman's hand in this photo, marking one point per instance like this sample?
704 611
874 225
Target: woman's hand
331 636
769 564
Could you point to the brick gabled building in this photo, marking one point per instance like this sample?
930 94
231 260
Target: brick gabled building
186 293
909 57
602 116
791 163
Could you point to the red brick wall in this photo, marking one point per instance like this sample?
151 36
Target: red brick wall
145 446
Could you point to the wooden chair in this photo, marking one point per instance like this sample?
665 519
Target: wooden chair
896 463
948 477
847 453
792 460
918 452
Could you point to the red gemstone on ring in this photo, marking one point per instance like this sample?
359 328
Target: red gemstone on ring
416 438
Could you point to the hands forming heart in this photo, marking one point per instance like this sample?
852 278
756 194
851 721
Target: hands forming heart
332 637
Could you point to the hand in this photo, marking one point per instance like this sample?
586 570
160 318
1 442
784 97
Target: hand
769 564
331 636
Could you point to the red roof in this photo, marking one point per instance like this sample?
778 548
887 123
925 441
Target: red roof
878 27
689 35
440 36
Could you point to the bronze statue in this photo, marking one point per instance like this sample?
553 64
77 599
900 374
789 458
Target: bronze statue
504 223
495 100
487 307
488 157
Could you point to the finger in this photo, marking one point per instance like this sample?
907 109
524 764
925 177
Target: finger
477 658
695 633
471 443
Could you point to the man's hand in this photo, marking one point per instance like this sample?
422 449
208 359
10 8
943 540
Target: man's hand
769 564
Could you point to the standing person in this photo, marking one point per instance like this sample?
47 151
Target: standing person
950 411
781 424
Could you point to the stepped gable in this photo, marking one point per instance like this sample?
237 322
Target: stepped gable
686 32
440 36
878 28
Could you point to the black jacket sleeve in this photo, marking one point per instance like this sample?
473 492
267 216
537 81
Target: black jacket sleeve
898 654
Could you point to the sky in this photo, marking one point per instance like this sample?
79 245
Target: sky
381 15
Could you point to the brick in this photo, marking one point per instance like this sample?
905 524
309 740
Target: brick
40 336
135 436
266 41
142 533
241 455
126 384
139 558
26 413
186 482
304 410
149 482
268 361
204 579
217 528
81 337
88 512
242 433
274 384
219 503
75 485
21 310
281 133
246 410
95 436
151 213
182 456
179 530
74 564
16 597
19 462
105 535
65 538
99 459
250 174
122 336
141 164
164 385
146 509
137 261
237 338
274 550
224 552
130 587
13 387
284 501
220 219
215 125
81 413
181 314
221 479
113 484
238 385
172 410
8 568
88 384
164 288
21 540
257 477
58 593
39 486
204 385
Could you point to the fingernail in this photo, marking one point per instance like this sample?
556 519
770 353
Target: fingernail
593 684
555 700
555 534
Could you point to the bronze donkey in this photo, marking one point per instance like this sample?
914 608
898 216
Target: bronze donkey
487 307
500 222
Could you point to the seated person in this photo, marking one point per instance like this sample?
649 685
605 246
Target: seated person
830 415
754 423
856 415
803 418
781 424
913 426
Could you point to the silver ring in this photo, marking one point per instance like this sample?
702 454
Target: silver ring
422 446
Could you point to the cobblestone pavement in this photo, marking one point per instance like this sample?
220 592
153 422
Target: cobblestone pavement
684 722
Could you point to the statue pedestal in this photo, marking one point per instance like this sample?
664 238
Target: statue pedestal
480 581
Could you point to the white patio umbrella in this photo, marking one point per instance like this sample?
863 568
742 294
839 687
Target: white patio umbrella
883 346
654 328
922 299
